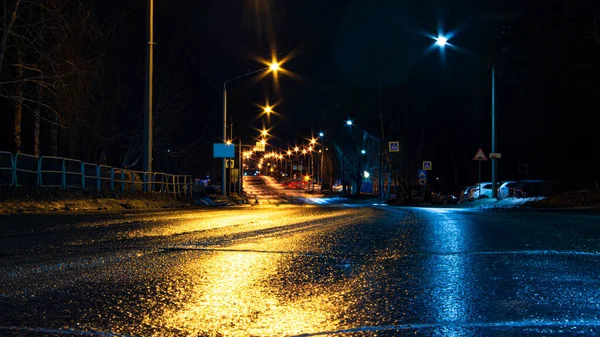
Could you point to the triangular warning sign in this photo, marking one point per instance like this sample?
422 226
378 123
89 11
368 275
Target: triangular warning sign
480 155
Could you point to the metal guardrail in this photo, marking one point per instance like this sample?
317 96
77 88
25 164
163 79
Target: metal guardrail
7 168
26 170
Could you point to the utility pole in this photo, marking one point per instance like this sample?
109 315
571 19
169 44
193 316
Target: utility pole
494 162
223 165
240 168
148 99
231 160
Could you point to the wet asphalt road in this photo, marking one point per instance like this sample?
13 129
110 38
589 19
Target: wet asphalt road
267 191
301 271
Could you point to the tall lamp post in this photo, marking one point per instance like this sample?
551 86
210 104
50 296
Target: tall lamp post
441 42
273 67
148 98
344 188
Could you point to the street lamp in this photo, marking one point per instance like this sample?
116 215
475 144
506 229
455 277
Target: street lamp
441 42
348 123
273 67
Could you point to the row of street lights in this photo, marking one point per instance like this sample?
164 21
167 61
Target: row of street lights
296 151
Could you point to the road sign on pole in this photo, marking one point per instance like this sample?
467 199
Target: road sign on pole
495 155
480 155
223 151
422 182
260 147
394 146
422 174
427 165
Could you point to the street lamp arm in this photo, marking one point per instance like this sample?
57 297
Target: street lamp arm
242 76
372 137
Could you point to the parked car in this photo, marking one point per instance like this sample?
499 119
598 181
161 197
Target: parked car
466 194
534 188
445 197
482 191
506 189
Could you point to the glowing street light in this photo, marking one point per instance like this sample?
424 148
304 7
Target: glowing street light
363 151
313 141
321 134
296 149
228 142
441 41
274 66
349 122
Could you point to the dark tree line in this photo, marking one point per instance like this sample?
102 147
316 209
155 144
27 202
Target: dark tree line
71 84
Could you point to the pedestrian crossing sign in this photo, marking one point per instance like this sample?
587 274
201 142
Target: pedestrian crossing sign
394 146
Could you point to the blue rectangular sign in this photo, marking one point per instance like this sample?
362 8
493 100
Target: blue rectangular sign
223 151
394 146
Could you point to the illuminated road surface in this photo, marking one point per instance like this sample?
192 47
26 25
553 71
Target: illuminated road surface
301 270
267 191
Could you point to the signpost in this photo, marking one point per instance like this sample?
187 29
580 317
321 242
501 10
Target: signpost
422 175
223 151
260 147
480 156
394 146
427 165
495 155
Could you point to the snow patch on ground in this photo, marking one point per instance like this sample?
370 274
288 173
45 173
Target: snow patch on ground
326 201
505 203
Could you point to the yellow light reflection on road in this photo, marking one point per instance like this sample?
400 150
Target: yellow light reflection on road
232 294
242 289
252 219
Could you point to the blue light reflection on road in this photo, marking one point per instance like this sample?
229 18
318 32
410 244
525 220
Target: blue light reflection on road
450 281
